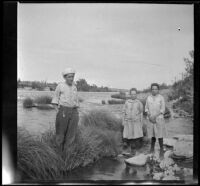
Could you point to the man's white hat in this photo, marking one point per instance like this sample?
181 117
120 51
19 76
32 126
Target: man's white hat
68 71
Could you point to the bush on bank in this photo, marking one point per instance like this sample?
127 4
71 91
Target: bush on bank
39 158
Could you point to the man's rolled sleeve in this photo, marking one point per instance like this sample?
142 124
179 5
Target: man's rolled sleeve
56 97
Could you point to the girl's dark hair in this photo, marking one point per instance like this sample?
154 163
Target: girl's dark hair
155 84
133 89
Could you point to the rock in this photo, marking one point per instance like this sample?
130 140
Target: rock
169 142
139 160
168 154
183 137
183 149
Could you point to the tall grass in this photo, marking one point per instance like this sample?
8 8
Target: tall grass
36 159
98 136
103 119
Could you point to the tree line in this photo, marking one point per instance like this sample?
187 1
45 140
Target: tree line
81 84
161 87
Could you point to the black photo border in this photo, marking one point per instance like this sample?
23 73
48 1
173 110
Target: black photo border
9 82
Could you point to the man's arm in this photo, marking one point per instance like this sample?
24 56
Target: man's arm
77 105
56 97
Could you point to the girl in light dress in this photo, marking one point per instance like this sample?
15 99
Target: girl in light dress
132 122
155 109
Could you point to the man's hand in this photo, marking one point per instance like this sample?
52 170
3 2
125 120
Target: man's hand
56 108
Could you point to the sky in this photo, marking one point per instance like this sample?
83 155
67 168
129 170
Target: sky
114 45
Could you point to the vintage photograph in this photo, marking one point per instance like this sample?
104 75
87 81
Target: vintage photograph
105 92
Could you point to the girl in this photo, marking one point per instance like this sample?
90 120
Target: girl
155 109
132 121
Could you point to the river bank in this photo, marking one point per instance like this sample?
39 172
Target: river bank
106 166
116 169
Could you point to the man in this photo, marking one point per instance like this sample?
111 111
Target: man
66 103
155 108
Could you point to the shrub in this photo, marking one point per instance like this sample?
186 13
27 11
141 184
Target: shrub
41 159
103 102
101 118
27 103
36 159
43 100
119 96
184 88
184 105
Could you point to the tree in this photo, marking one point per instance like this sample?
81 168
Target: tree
82 85
189 65
184 88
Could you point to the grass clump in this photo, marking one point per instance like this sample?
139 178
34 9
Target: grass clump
120 95
103 119
36 159
98 136
43 100
113 101
28 103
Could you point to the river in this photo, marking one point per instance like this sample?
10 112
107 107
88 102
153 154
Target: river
37 121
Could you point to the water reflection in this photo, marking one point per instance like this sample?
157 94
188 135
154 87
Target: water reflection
108 169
